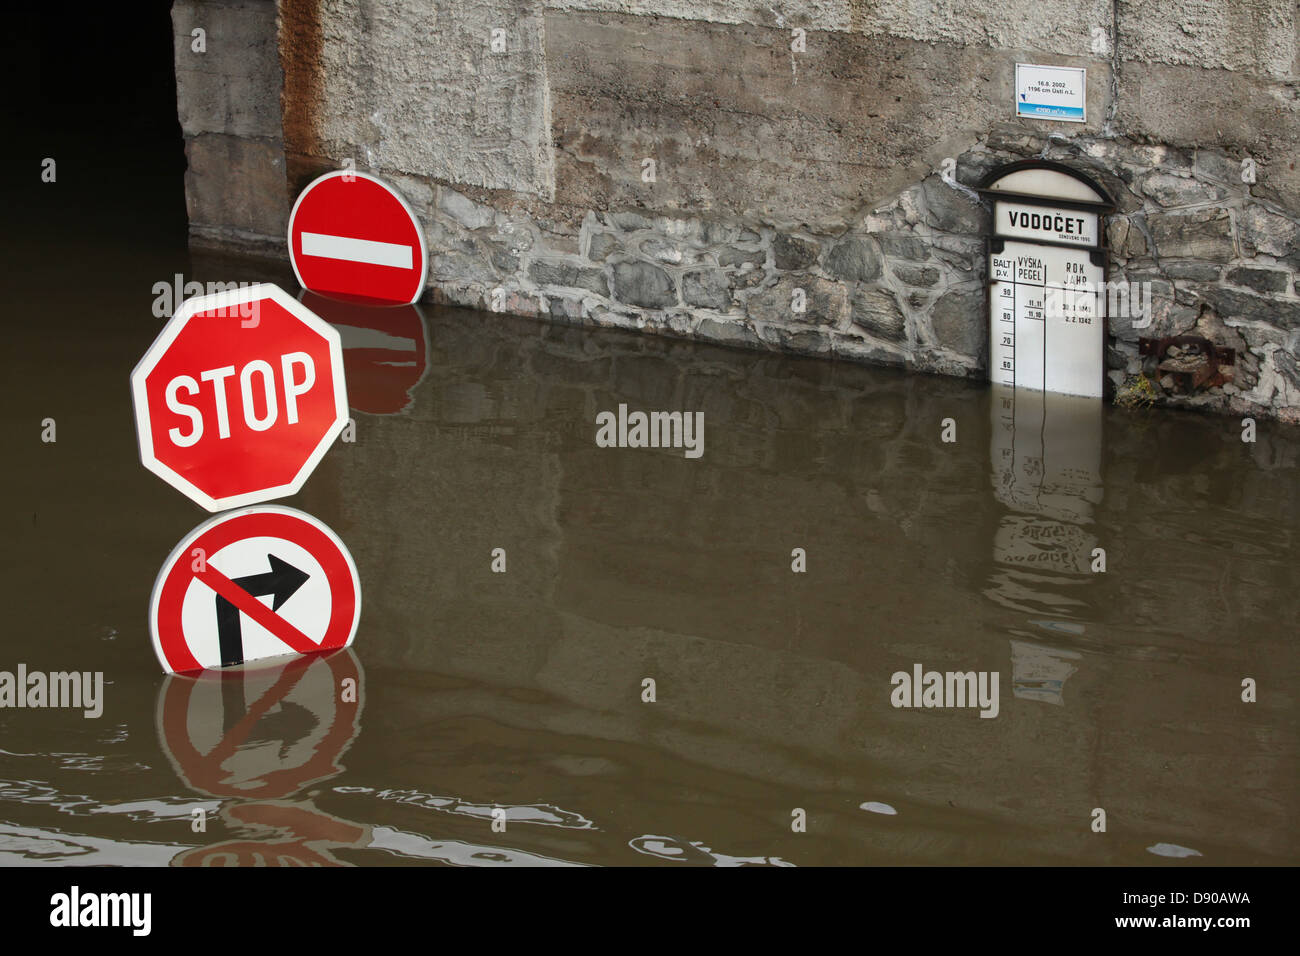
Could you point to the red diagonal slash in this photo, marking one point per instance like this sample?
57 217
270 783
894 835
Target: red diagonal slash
285 683
258 611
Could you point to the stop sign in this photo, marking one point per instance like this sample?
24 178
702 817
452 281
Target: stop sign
239 397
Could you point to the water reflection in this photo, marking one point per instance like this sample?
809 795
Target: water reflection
542 815
266 731
59 846
455 852
693 851
1045 454
521 691
1046 469
385 350
269 731
31 845
1038 672
261 731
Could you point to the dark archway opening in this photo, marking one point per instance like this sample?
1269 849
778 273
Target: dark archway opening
92 87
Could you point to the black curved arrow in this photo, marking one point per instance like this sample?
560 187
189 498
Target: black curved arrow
280 582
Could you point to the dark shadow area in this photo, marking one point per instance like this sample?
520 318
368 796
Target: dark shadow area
93 88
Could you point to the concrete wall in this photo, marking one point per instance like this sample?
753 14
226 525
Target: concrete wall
774 169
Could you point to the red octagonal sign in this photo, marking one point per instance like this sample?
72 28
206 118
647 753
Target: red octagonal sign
239 397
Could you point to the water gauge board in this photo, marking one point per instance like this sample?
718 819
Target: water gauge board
1046 319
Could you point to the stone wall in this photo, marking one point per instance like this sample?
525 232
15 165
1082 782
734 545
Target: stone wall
775 170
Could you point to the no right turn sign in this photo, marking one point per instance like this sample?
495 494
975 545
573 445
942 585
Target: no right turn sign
255 583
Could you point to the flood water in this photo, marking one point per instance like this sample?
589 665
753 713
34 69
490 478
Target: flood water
1120 690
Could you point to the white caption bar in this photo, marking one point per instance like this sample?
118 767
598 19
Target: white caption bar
356 250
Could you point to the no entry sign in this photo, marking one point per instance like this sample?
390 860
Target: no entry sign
352 236
239 397
255 583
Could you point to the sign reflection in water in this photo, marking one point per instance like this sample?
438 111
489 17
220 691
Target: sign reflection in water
1045 459
385 350
256 736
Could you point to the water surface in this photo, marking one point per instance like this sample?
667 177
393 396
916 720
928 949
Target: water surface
523 691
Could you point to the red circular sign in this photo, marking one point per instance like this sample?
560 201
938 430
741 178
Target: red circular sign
352 236
238 558
239 397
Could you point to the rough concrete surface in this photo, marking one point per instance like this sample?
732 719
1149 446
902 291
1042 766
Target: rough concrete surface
417 86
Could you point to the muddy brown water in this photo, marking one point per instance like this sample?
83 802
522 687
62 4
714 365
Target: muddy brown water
523 691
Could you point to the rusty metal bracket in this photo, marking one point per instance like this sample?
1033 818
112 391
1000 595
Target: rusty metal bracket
1204 371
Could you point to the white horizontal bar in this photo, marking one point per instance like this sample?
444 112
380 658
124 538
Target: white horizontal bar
356 250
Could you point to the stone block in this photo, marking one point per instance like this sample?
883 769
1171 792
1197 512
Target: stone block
1198 234
949 209
1232 305
464 210
792 254
1169 190
727 332
706 289
233 86
923 277
644 285
825 303
877 311
1269 233
960 322
1196 271
733 256
1261 280
853 259
568 275
904 247
601 245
